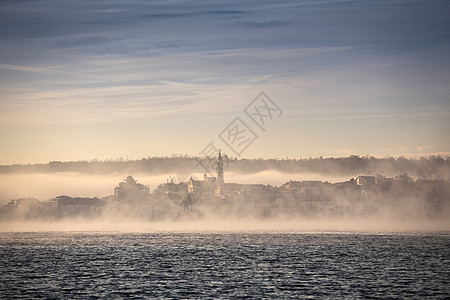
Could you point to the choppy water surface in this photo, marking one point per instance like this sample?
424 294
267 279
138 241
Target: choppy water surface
224 265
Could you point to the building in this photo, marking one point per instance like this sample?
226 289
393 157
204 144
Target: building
23 208
131 191
212 196
78 206
365 180
220 180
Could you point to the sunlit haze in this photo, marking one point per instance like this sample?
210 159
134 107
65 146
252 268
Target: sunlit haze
261 149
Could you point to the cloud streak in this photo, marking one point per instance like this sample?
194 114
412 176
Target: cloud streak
27 69
264 24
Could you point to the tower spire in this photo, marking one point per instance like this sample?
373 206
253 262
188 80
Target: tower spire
220 180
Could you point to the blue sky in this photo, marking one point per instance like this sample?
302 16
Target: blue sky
107 79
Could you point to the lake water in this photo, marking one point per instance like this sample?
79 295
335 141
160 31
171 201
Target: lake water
224 265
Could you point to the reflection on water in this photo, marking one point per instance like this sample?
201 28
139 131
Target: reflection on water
227 264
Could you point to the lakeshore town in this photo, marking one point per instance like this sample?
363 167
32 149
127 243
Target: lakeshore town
362 196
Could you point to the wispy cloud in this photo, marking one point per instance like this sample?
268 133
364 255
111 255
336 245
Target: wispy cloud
27 69
380 116
264 24
85 40
223 12
113 10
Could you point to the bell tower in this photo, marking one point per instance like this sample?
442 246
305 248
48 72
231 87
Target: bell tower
219 170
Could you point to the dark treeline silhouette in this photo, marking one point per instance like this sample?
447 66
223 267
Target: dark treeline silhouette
427 168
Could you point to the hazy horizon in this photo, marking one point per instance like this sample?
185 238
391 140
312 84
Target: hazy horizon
101 82
415 156
195 149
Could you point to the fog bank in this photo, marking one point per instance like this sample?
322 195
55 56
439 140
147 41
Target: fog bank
368 225
44 186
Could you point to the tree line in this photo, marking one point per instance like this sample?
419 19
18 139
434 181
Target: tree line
425 168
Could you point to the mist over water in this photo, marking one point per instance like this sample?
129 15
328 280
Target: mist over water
361 225
398 210
322 125
268 234
44 186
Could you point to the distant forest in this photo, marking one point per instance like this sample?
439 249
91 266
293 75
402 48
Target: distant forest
428 168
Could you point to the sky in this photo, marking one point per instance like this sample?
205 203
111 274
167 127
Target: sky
82 80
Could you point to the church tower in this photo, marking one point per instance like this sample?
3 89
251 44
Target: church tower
220 170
